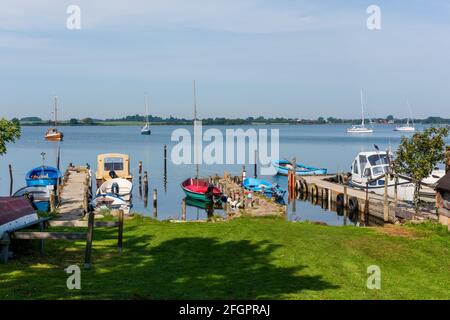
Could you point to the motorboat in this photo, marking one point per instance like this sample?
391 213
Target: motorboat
371 165
43 176
111 202
38 195
200 189
284 166
261 186
118 186
112 166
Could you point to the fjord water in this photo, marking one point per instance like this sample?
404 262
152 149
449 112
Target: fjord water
326 146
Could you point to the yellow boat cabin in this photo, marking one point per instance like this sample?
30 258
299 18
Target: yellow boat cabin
112 165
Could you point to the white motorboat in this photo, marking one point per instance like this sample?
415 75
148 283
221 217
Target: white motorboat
118 186
362 127
111 202
371 165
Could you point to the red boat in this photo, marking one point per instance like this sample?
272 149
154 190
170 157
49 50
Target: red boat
200 189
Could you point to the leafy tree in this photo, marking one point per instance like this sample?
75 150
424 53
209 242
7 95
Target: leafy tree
9 132
88 121
418 155
74 122
390 117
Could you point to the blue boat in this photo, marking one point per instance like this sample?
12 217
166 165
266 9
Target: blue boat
283 167
43 176
265 187
39 195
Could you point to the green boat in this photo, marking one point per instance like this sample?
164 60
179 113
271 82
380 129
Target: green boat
199 189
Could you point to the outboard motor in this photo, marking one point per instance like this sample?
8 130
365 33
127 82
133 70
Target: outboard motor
113 174
210 192
115 188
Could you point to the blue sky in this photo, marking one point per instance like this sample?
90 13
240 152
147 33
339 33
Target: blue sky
250 57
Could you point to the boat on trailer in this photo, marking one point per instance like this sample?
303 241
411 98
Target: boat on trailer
261 186
284 166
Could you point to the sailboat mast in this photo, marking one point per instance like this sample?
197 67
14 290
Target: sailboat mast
146 108
56 111
362 108
195 123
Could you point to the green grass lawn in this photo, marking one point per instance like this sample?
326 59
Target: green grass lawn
246 258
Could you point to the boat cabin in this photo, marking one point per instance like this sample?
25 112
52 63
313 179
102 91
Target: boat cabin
112 165
370 165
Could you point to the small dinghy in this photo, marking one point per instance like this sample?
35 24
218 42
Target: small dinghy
283 167
118 186
43 176
269 189
200 190
38 195
110 201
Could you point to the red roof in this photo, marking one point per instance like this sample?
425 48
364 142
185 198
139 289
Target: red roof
14 208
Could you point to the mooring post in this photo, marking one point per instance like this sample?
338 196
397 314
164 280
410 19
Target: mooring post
165 159
396 194
155 203
183 209
145 182
329 196
244 174
120 232
256 165
52 201
366 204
89 239
10 180
345 197
386 202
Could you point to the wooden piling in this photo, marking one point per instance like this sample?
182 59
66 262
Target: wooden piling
255 174
89 239
11 180
385 199
120 232
345 198
183 210
52 201
155 203
165 159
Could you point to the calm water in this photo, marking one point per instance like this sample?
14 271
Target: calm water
326 146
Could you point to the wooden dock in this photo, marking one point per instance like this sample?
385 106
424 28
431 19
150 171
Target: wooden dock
74 194
368 203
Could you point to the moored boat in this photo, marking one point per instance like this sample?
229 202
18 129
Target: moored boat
39 195
146 128
110 201
43 176
53 134
284 166
261 186
118 186
15 213
111 166
362 127
200 190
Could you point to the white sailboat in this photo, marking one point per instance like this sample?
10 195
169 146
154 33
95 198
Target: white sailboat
362 127
406 127
146 129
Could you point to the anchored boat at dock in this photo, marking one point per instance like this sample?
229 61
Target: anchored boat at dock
284 166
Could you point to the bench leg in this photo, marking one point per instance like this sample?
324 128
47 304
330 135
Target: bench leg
4 249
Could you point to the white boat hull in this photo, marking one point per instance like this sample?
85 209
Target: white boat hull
125 188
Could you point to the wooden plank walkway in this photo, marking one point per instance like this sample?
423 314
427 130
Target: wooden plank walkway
72 195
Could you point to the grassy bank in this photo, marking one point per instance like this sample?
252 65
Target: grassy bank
243 259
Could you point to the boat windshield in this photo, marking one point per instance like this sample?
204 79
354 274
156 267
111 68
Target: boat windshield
376 160
379 170
113 164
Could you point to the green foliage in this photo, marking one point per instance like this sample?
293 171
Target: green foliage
9 132
418 155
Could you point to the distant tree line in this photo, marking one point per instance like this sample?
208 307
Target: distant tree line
390 119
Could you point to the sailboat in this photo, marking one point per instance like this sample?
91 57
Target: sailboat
53 134
146 129
407 127
360 128
196 188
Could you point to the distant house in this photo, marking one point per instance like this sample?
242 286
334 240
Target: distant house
443 199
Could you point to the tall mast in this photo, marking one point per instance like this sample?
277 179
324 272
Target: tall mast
146 107
362 108
195 123
56 111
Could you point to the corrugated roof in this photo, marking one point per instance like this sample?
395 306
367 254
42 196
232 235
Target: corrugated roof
14 208
444 183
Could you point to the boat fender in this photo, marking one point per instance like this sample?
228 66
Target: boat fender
353 204
314 190
298 185
304 188
115 188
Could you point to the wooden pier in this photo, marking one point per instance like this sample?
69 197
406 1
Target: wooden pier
74 194
321 187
